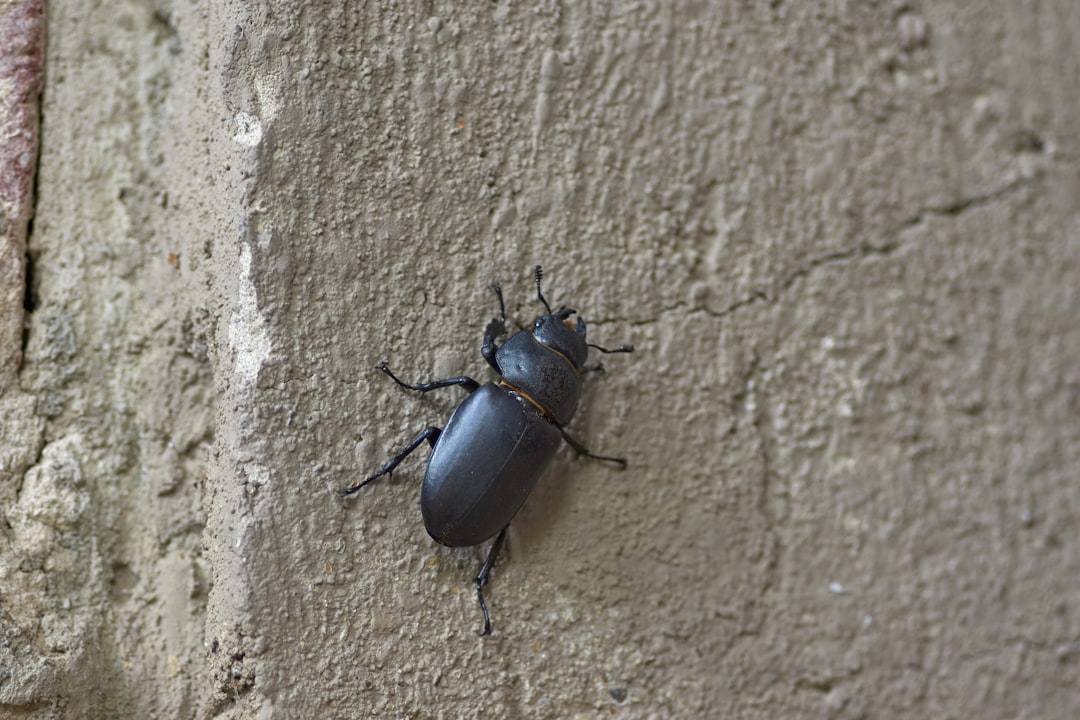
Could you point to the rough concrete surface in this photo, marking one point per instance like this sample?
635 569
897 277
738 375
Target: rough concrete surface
844 238
21 74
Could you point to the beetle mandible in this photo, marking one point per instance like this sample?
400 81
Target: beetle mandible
502 437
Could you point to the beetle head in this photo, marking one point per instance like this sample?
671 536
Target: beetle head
558 332
561 334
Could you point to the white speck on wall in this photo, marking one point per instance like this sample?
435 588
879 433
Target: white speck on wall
248 129
268 89
751 401
53 494
257 474
248 335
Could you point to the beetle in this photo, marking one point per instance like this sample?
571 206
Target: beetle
502 437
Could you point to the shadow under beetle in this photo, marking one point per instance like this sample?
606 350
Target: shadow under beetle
502 437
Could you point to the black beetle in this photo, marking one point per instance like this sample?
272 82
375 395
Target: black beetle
501 438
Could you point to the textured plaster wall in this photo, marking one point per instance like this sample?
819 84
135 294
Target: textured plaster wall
844 238
104 431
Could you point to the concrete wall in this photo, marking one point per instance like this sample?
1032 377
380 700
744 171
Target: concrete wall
844 238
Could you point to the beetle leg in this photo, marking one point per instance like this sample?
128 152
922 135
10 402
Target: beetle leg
466 382
620 349
498 293
495 329
582 450
483 576
431 434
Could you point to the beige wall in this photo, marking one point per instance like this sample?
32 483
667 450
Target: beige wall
844 238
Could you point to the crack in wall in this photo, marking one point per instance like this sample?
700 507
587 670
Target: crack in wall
951 210
770 514
863 250
866 249
961 206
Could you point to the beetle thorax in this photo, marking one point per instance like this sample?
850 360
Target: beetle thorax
546 374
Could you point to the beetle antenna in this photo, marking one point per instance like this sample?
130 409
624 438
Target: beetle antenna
621 348
539 276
